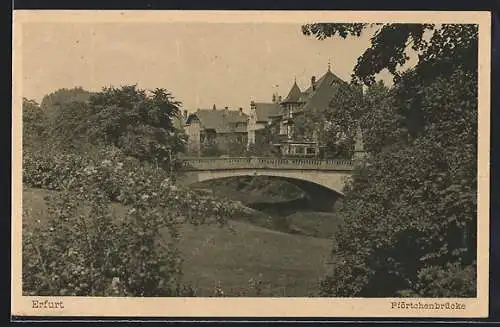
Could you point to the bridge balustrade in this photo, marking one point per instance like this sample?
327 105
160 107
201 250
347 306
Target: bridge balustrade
262 163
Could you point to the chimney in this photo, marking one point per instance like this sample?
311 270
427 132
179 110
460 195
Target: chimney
279 99
241 111
274 97
213 108
226 108
185 114
313 82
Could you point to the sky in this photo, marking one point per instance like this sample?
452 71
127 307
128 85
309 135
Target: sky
201 64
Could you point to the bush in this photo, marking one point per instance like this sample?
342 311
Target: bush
76 251
86 248
453 280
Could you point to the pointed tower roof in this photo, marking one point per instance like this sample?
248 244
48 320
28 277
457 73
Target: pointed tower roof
294 94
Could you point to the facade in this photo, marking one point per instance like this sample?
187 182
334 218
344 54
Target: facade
219 128
315 98
262 114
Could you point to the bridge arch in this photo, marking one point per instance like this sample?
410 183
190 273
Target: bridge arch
333 181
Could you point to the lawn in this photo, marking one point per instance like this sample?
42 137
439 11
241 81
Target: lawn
286 264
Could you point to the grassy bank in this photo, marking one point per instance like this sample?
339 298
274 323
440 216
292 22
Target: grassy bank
285 264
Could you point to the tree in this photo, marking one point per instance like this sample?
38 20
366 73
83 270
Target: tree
264 139
373 113
333 126
379 118
410 211
34 124
236 146
139 123
65 111
68 126
210 149
63 96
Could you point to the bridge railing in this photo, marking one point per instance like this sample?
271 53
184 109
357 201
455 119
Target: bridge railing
262 163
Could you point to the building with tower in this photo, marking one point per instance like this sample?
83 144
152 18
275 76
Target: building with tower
223 129
281 114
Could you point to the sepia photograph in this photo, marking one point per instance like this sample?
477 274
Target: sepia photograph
306 163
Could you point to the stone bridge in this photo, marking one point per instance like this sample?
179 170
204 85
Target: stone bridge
322 179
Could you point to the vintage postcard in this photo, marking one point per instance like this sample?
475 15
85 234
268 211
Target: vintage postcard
239 164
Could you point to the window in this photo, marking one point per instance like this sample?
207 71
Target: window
283 129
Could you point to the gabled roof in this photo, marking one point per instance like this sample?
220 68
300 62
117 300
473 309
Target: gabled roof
263 111
323 93
294 94
222 121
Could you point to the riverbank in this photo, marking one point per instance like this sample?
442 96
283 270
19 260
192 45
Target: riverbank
274 204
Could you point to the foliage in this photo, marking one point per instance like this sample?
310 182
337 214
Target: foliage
236 146
210 149
263 145
378 118
350 113
402 215
59 98
410 210
85 248
141 124
68 127
327 125
438 281
34 123
224 145
323 31
389 46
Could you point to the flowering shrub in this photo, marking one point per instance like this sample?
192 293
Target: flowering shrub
51 171
87 248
